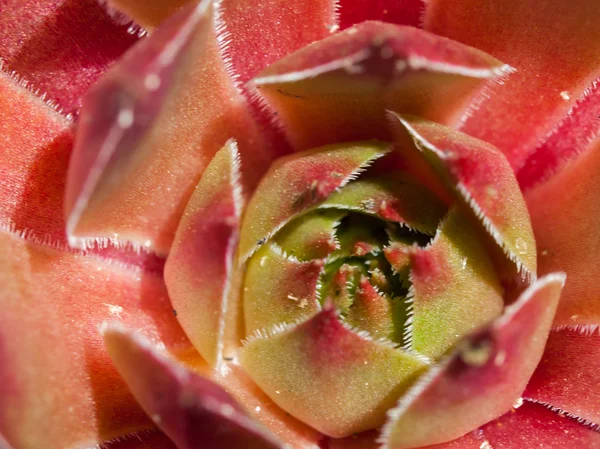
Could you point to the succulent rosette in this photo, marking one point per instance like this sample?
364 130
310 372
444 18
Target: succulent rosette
302 224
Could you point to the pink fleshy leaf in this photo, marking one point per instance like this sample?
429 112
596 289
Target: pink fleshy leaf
34 151
143 142
149 13
56 380
482 378
287 428
554 47
533 426
59 47
566 377
338 89
565 214
568 140
263 32
400 12
190 409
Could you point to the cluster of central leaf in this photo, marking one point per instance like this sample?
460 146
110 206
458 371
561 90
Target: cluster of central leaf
357 278
366 265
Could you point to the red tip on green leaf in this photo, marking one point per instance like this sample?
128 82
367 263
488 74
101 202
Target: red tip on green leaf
296 183
455 289
190 409
200 268
327 375
478 175
279 289
482 378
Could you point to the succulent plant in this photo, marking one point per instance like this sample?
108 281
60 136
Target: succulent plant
308 224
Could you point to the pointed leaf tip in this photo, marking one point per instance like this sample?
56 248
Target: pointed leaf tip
187 407
461 167
482 378
329 376
142 142
338 89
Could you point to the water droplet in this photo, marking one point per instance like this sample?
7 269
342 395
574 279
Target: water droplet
521 246
125 118
500 358
565 95
152 81
227 410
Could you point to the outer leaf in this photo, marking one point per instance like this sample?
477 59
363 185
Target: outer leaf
482 378
400 12
479 175
567 376
154 440
59 47
568 140
554 47
534 426
149 13
455 289
266 31
143 142
565 213
34 151
190 409
200 267
296 183
57 387
338 89
328 376
253 34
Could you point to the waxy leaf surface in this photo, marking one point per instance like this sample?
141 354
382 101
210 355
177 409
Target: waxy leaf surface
199 272
339 88
327 375
482 378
